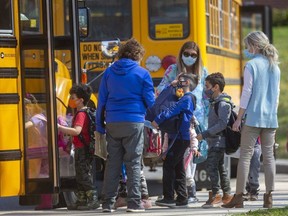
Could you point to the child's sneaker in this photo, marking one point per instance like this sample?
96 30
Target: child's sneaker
226 198
146 203
165 202
193 200
253 197
120 202
135 210
181 203
213 201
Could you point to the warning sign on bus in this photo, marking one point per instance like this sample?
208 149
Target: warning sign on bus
168 31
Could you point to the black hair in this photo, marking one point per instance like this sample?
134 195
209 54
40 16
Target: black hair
193 78
81 91
216 78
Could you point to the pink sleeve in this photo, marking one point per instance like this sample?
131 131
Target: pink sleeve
193 140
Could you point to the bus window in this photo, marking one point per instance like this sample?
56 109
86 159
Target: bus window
61 27
83 22
6 26
30 17
222 24
111 19
168 19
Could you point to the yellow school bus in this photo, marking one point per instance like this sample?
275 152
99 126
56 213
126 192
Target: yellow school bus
46 44
39 56
163 26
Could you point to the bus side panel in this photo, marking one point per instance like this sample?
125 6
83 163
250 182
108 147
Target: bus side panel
9 146
10 178
10 154
230 67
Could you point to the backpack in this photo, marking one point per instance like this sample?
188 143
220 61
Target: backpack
202 145
233 138
166 99
152 143
90 147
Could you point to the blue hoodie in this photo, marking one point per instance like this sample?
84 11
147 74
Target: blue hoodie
184 105
125 92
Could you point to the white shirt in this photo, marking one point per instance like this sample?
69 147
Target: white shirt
247 89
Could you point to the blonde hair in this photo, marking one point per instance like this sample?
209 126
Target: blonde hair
197 66
260 41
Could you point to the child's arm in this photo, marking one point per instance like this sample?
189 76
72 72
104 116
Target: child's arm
224 111
28 124
70 131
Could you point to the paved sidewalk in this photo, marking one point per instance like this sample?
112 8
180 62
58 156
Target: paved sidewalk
280 200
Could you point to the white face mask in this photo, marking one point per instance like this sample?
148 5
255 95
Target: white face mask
188 61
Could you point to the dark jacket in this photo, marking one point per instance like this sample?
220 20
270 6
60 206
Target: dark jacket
217 123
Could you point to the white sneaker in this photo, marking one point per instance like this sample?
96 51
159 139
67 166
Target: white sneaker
135 210
108 210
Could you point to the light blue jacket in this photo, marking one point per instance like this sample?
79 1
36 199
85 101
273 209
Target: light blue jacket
263 104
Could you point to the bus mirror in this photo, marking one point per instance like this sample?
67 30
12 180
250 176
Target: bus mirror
83 22
110 48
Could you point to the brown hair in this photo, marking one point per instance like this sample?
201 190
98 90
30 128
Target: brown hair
132 49
197 66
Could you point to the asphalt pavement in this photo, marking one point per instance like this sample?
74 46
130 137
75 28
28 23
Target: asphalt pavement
9 206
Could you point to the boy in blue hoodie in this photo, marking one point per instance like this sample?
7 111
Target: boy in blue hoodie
125 92
174 177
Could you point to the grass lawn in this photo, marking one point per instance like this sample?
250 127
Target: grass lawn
274 212
280 35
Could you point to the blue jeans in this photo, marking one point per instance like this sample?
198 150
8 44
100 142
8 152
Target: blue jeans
125 143
252 184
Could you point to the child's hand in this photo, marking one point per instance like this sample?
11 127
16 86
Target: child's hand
155 125
174 83
195 152
199 137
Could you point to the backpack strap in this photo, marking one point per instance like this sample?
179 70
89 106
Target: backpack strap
80 136
216 105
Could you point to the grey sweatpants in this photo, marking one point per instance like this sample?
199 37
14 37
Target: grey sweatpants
125 143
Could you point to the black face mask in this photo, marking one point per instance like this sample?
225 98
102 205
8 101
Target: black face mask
180 84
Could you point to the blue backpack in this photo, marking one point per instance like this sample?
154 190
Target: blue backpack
165 100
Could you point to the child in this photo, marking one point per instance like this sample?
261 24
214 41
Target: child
36 128
174 177
190 167
214 84
252 184
87 197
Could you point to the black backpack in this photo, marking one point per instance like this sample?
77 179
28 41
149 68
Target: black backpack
90 146
233 138
165 100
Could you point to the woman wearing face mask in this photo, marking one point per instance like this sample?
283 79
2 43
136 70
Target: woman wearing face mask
258 107
189 61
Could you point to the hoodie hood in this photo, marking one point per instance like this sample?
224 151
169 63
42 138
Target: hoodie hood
123 66
223 97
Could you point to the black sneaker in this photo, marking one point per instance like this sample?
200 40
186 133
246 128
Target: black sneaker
165 202
182 203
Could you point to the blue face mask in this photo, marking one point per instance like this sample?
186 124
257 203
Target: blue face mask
188 61
248 54
209 93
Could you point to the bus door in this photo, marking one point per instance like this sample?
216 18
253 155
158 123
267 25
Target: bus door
41 43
